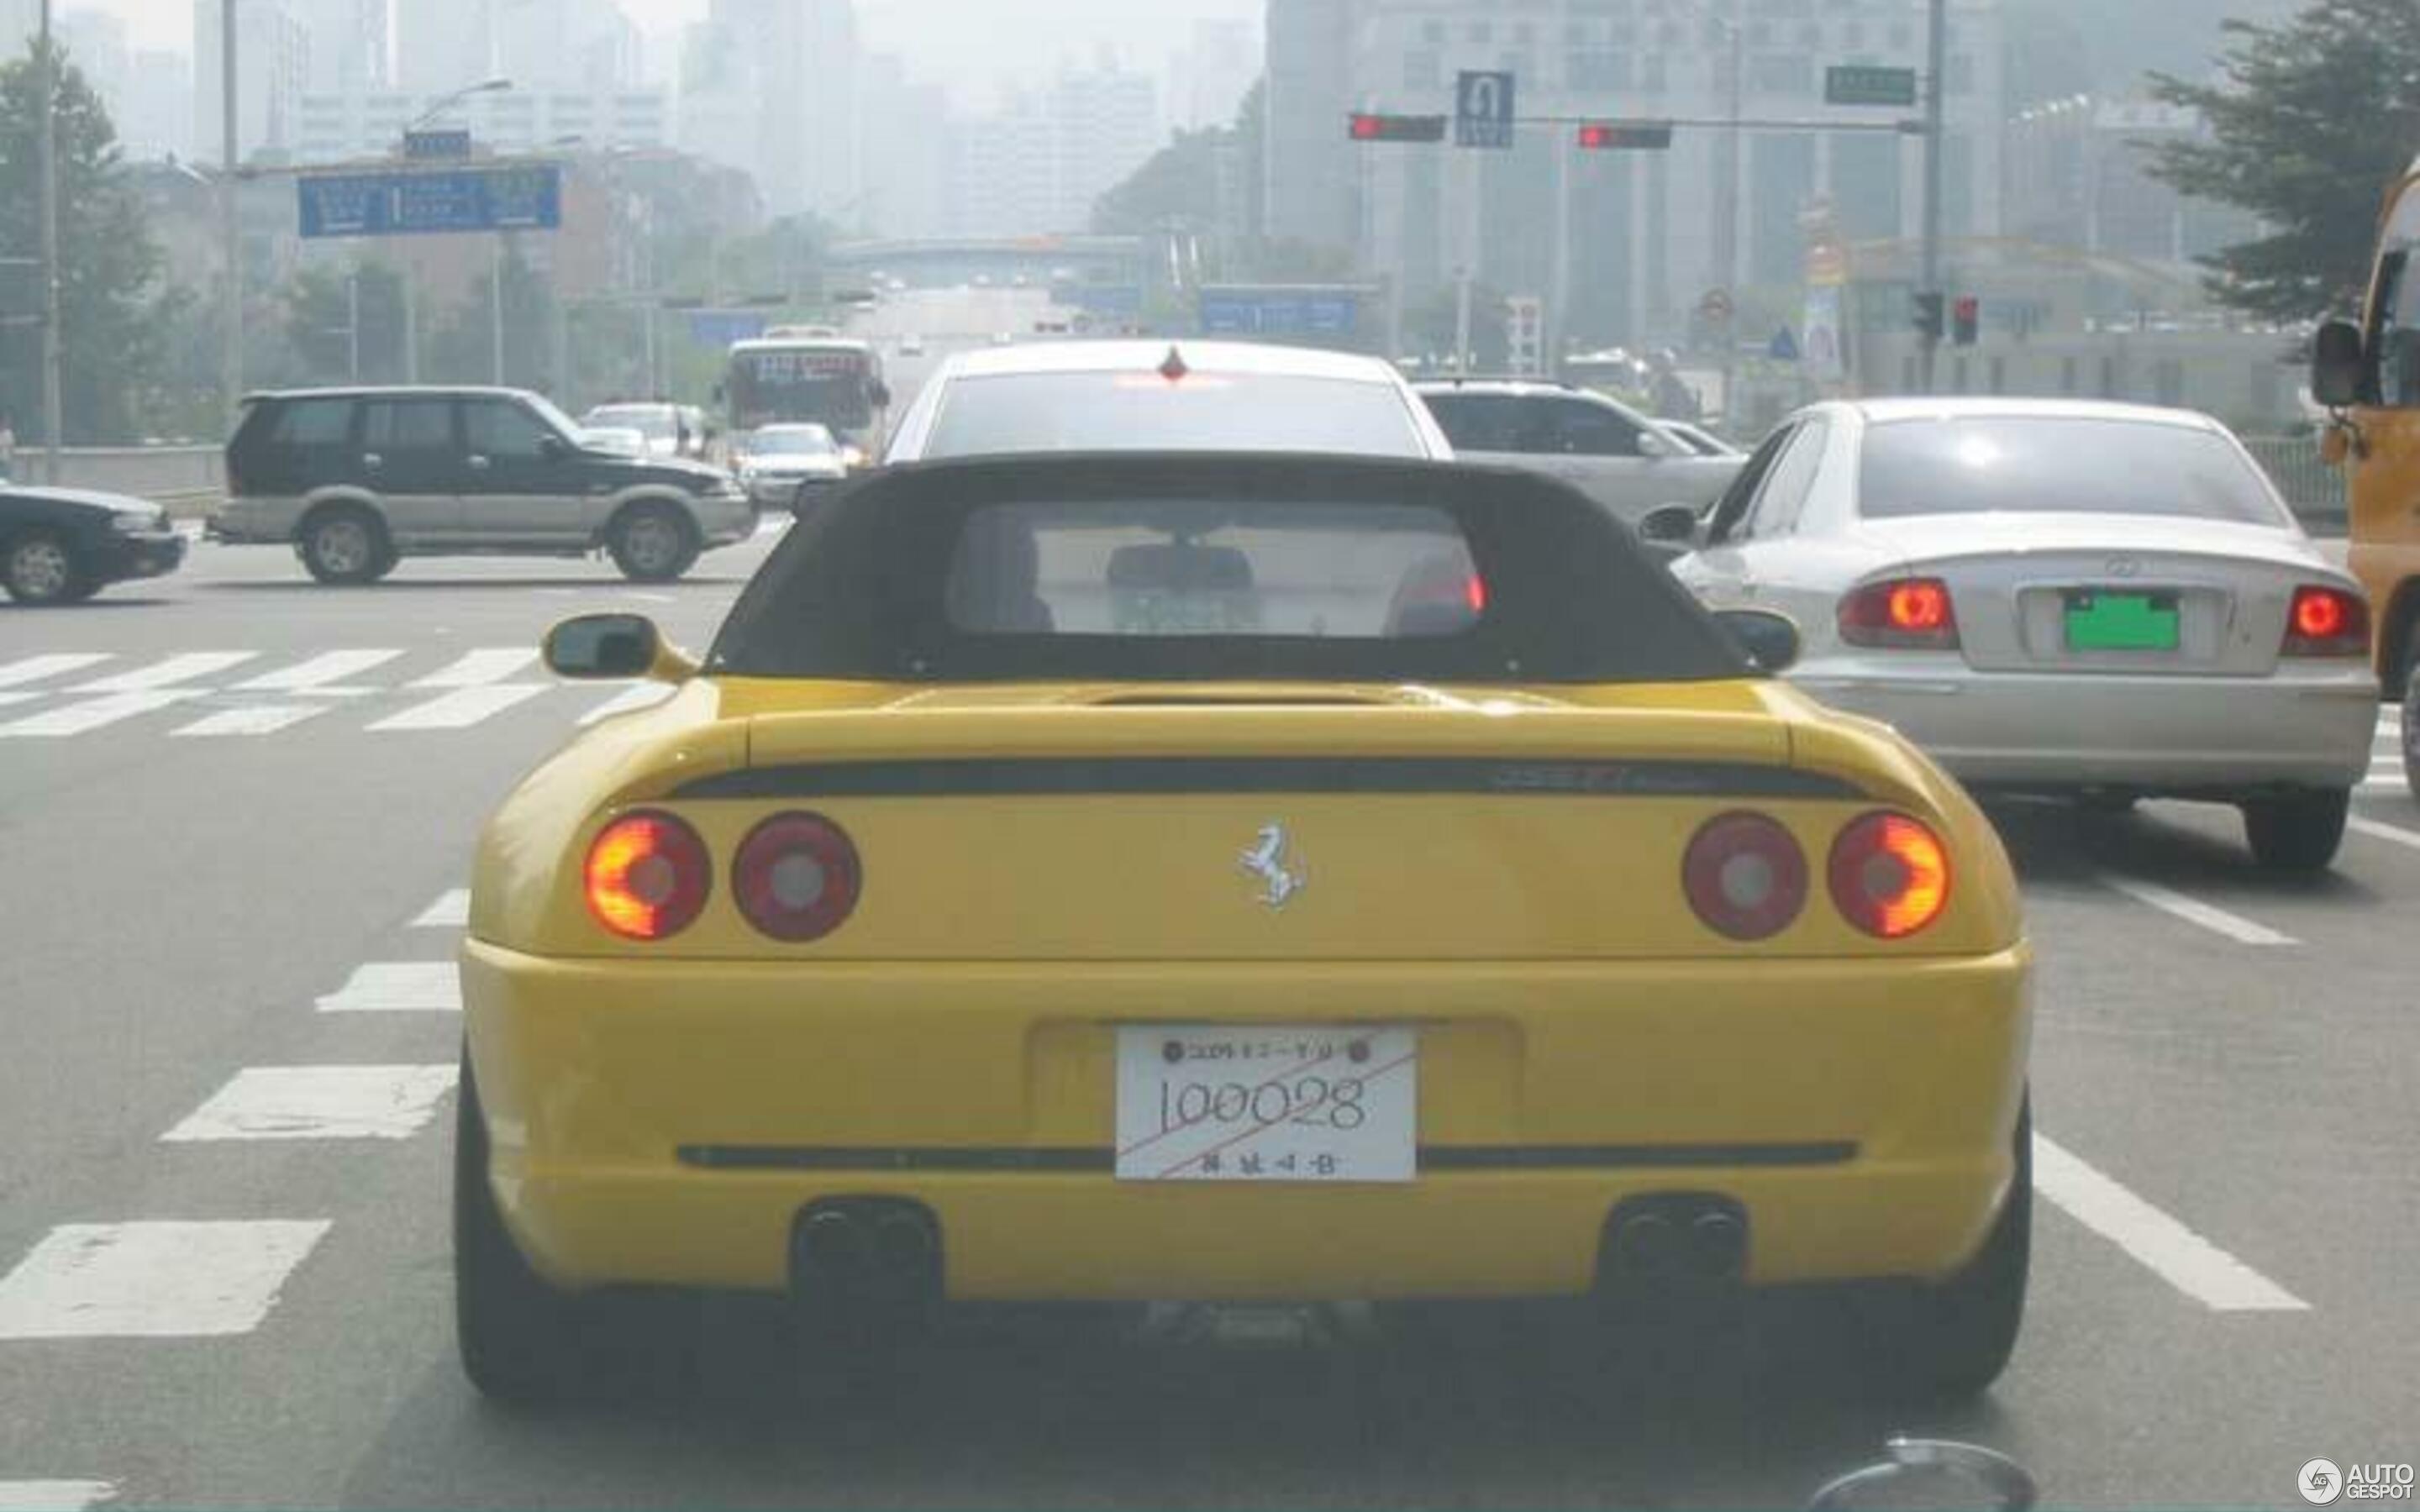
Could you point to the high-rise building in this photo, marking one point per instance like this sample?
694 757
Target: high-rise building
1037 166
1106 123
349 45
157 120
566 44
95 42
273 72
1307 163
19 21
1208 77
773 87
906 151
443 45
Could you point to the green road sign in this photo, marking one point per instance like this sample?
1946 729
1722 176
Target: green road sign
1859 84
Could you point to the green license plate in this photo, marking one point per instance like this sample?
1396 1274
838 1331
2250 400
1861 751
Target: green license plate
2122 621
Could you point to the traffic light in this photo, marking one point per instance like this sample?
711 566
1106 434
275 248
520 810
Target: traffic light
1366 126
1927 308
1648 137
1965 319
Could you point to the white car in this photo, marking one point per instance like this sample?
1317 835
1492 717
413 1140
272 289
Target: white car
622 441
774 462
1158 395
1610 452
2062 597
1703 442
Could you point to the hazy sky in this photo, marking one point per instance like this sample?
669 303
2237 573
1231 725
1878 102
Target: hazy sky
969 46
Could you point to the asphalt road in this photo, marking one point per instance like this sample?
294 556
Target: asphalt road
201 897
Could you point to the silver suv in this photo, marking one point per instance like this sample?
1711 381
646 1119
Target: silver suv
356 479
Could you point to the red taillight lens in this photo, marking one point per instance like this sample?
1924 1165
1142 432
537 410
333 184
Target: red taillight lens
2327 621
797 876
647 876
1745 875
1889 876
1907 613
1474 593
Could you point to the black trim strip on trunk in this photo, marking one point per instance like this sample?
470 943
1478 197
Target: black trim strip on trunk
1165 774
1432 1157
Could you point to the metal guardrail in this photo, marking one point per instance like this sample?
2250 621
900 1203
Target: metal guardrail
2315 490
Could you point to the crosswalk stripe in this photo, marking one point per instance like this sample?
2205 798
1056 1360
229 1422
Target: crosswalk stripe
318 673
262 719
181 668
94 714
639 695
319 1103
53 1495
452 910
459 709
153 1280
2175 1254
397 987
34 668
7 698
2194 911
474 669
2392 834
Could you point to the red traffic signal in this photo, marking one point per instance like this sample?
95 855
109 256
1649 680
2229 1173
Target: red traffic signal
1367 126
1651 136
1965 319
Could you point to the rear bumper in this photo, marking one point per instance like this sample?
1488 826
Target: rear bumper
2158 734
666 1123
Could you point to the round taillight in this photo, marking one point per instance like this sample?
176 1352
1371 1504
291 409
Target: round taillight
1745 875
1889 876
648 875
797 876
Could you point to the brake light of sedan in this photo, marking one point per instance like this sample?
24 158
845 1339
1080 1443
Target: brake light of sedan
2327 621
1901 614
648 876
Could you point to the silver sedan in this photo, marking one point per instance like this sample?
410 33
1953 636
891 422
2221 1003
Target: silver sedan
2093 599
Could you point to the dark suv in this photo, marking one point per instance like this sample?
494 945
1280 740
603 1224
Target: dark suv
356 479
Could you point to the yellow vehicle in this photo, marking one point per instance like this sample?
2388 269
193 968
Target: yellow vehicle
1237 879
2370 376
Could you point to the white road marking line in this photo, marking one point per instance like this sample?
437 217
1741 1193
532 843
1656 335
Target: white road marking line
641 696
2391 833
153 1280
397 986
7 698
93 714
319 1103
181 668
262 719
452 910
474 669
318 673
53 1495
459 709
34 668
2193 911
2175 1254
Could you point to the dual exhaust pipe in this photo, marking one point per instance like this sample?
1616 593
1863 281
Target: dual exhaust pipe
1671 1238
866 1260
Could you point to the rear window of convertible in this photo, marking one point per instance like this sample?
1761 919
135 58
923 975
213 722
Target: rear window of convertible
1171 568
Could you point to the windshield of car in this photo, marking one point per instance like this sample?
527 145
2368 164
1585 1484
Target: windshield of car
657 423
1179 566
1142 411
2045 464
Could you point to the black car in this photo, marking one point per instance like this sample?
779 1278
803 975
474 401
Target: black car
61 545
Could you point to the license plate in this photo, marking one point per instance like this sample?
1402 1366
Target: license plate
2122 621
1208 1102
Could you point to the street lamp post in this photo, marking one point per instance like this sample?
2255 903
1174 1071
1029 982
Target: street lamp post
51 403
411 266
231 227
1936 48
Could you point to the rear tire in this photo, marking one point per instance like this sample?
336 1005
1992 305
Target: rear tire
40 569
520 1338
2299 833
346 545
1950 1341
652 543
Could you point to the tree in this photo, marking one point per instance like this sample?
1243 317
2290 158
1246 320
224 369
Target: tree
320 311
2312 117
109 344
464 348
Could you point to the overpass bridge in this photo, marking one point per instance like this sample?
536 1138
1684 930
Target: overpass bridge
947 262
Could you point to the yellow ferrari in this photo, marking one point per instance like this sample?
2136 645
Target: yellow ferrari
1232 878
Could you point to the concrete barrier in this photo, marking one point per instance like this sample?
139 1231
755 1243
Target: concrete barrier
185 478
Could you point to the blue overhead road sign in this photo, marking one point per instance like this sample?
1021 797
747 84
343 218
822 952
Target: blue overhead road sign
1483 109
525 197
1278 312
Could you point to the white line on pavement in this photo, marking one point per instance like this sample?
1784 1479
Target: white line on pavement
460 709
452 910
152 1280
474 669
397 986
318 673
2392 834
34 668
2175 1254
7 698
181 668
2193 911
260 719
93 714
53 1495
319 1103
642 696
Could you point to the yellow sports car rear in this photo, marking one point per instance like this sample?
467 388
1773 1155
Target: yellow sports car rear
1122 879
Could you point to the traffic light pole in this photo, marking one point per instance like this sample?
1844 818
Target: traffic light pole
1936 47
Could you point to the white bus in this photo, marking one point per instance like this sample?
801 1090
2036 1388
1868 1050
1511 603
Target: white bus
802 375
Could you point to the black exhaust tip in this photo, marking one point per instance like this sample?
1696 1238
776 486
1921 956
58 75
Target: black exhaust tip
1648 1244
1717 1245
1665 1238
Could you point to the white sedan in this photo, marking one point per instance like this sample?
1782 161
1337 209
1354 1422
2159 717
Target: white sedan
2093 599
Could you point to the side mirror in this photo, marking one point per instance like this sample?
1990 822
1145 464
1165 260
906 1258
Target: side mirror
602 647
880 394
1768 641
2339 365
1669 525
1653 445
